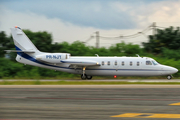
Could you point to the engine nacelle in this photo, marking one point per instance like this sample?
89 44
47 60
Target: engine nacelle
53 57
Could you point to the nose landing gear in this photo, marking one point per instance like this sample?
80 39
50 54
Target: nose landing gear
169 77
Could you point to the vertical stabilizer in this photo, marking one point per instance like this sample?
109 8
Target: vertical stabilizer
21 41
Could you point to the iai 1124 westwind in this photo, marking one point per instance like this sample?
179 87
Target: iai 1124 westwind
87 67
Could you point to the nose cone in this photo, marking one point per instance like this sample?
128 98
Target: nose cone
167 70
172 70
175 70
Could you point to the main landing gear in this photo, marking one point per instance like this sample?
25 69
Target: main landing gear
169 77
84 76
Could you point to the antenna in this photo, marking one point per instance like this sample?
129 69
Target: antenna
137 55
97 55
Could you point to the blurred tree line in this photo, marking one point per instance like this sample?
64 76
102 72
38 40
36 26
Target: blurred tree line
163 47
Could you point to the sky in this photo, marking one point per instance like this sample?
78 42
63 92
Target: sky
71 20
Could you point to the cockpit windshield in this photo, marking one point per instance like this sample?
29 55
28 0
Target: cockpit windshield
154 62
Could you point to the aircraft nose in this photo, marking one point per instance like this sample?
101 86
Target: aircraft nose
168 70
173 70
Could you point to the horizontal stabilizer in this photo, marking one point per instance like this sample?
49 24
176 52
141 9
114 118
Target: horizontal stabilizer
26 51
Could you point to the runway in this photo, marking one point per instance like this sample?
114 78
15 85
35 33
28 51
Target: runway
114 103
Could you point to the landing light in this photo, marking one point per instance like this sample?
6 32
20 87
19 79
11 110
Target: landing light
16 26
115 76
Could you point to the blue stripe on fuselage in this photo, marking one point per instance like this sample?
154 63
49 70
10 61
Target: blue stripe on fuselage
28 57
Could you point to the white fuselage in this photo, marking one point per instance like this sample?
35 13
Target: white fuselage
109 66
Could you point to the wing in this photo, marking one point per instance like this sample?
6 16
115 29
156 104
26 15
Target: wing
80 62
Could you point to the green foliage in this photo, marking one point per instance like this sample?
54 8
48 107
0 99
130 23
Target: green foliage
9 68
168 38
5 43
42 40
121 49
168 53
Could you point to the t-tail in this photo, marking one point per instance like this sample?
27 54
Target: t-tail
22 42
27 52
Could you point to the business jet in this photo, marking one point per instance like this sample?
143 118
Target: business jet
87 67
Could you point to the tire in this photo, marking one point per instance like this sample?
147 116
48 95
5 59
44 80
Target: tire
169 77
89 77
83 77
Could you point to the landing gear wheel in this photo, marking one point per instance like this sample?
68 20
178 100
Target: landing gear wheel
83 77
89 77
169 77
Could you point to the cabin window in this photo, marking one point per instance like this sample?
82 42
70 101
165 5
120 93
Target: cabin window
102 62
148 63
137 63
122 63
115 63
108 62
131 63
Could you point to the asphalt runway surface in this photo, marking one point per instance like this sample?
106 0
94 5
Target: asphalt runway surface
132 102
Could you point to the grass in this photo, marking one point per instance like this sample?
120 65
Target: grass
38 82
